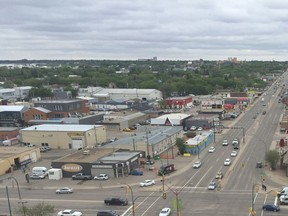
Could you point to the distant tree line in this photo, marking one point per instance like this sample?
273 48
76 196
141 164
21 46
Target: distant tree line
173 78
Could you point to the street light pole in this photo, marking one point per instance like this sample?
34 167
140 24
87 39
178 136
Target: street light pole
19 194
10 212
132 197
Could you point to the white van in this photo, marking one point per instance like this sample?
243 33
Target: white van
41 171
284 191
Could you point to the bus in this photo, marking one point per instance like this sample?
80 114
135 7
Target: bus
166 169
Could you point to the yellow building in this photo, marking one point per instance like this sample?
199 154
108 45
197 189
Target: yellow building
17 157
64 136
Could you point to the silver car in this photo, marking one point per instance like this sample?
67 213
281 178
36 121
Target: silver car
64 190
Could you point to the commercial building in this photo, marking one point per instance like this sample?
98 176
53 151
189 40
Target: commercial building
120 94
179 102
64 136
12 158
198 143
113 162
173 119
12 115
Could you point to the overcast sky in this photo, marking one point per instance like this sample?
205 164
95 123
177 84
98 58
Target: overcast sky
132 29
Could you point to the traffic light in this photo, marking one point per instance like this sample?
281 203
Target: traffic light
164 195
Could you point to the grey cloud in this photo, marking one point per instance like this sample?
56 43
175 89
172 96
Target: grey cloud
209 29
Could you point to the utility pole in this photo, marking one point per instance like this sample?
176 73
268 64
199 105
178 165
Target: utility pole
214 134
147 141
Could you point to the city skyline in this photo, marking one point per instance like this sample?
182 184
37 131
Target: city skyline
131 30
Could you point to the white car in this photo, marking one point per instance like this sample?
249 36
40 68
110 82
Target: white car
211 149
225 143
227 162
69 212
64 190
147 183
235 141
200 129
165 212
197 164
233 154
212 185
101 177
193 128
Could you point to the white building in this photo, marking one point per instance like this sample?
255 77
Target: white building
7 94
170 119
120 94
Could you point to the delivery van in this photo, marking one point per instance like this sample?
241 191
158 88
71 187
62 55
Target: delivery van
41 171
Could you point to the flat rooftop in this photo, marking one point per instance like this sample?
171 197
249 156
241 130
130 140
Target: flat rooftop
8 151
94 154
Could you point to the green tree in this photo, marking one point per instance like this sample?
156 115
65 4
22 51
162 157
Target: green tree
272 157
40 92
181 145
40 209
8 84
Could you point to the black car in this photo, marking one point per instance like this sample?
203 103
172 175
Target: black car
107 213
116 201
259 165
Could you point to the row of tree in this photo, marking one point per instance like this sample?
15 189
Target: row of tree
171 77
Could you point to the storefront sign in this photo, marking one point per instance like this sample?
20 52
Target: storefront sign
72 167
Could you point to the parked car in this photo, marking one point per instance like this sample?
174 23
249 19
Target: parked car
199 128
43 149
212 185
193 128
36 176
197 164
69 212
233 154
165 212
227 162
149 162
211 149
64 190
136 172
81 176
270 207
127 130
112 139
147 183
101 177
